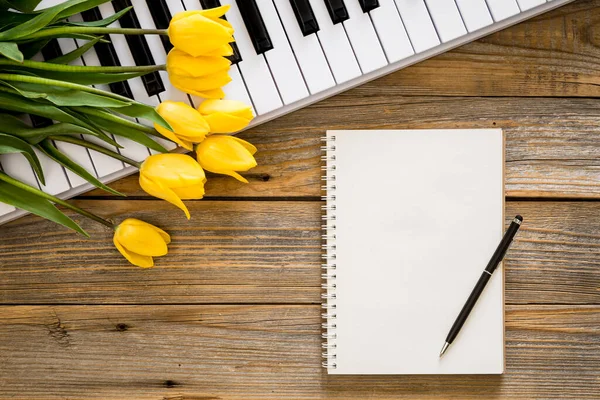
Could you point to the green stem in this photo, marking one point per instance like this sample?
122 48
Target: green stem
116 119
80 68
90 30
56 200
95 147
68 85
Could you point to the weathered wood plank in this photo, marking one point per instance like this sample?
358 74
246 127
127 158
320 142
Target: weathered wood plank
265 252
242 352
552 145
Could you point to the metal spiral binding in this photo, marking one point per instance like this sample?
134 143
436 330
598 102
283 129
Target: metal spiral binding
328 246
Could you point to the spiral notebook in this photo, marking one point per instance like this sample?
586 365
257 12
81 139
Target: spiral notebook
411 219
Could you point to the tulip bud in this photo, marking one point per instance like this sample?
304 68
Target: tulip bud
223 154
226 116
188 125
202 76
173 177
199 32
139 241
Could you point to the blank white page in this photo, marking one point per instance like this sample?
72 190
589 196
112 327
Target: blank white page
418 215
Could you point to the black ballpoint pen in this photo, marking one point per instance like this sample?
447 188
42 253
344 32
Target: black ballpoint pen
483 280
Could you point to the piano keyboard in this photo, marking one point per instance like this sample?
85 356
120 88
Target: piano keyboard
288 54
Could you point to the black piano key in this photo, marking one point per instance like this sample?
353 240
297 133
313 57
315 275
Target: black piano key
255 26
161 17
139 48
236 57
51 50
305 16
337 10
107 55
368 5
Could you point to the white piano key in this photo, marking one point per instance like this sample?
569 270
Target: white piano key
391 32
336 45
525 5
502 9
254 67
5 209
18 167
363 38
282 62
446 19
307 49
235 90
56 180
419 26
475 14
105 165
80 156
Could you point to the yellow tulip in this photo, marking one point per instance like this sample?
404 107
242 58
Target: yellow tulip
226 116
139 241
202 76
223 154
199 32
173 177
188 125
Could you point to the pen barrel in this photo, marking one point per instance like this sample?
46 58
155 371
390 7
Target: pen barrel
503 247
470 303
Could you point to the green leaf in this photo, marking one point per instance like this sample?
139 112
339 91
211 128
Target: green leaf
27 201
75 54
25 6
86 78
16 127
139 110
77 6
102 22
127 132
10 144
51 151
67 97
28 27
11 50
23 105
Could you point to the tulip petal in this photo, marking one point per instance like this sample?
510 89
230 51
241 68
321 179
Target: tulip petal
210 94
135 259
248 146
223 51
181 63
220 122
187 124
232 174
171 136
216 12
160 191
173 170
225 106
196 34
141 239
136 222
195 192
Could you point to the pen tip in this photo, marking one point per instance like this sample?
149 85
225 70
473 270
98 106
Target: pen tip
446 344
519 218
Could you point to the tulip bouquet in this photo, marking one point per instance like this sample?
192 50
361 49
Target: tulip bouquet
76 110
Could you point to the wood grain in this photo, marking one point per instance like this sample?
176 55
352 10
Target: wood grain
552 145
266 352
265 252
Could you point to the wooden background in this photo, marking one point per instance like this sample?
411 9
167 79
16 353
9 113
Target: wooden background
233 311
